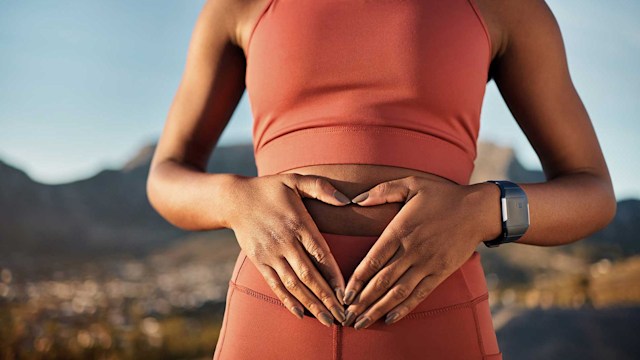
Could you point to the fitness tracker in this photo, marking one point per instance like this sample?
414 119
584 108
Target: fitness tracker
515 213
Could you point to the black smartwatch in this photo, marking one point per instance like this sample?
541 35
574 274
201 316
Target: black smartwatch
515 213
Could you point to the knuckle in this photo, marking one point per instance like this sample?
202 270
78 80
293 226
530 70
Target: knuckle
317 253
293 177
383 188
293 224
324 296
312 305
413 181
320 256
443 262
383 282
305 274
401 232
374 263
290 283
421 293
400 292
318 182
276 236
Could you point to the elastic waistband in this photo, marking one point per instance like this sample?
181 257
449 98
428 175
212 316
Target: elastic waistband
464 285
353 144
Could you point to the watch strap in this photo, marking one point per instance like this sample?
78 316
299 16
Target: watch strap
509 191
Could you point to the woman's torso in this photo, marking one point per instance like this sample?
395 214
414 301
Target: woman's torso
353 179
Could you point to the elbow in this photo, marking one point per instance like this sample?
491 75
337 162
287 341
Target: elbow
611 208
153 195
607 207
162 204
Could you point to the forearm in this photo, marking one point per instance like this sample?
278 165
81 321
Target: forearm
189 198
562 210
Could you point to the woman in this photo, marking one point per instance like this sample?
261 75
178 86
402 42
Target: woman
359 233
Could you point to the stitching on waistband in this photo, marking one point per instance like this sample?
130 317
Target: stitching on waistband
257 294
470 303
415 315
443 137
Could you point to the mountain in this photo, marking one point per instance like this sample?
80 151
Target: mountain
106 213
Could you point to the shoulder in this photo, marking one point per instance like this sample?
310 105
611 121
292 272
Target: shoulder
228 18
235 17
518 21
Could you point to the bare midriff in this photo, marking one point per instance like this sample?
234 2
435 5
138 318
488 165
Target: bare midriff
353 179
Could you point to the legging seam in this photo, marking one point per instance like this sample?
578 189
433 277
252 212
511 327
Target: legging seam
464 275
239 269
469 303
336 342
478 330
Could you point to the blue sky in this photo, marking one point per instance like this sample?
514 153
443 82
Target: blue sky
84 84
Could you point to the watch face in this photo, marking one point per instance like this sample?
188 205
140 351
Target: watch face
517 211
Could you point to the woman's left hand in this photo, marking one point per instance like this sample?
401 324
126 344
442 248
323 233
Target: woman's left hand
434 233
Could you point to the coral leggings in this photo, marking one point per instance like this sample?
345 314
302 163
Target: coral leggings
453 322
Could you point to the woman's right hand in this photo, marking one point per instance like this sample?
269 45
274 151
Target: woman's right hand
278 235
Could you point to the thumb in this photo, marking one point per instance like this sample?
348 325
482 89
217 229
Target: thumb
316 187
398 190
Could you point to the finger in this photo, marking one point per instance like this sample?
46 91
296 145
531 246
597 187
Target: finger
396 233
316 187
275 283
419 294
298 289
377 257
320 253
398 293
379 285
311 277
398 190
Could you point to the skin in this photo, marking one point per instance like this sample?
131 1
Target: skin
427 225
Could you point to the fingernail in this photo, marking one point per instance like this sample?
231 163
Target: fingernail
360 197
341 197
340 312
340 295
348 298
391 318
362 323
326 319
349 318
299 312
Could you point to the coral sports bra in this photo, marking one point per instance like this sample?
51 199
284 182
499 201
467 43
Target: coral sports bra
389 82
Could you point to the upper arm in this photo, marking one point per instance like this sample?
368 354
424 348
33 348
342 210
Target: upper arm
210 89
532 75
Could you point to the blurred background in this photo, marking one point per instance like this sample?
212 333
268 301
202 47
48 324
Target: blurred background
89 270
